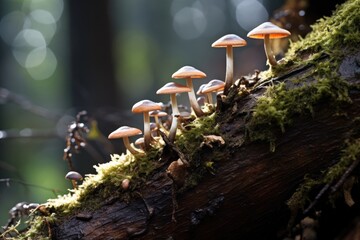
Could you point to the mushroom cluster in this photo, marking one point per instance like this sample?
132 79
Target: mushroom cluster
149 108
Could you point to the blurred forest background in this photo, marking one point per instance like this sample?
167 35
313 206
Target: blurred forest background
58 57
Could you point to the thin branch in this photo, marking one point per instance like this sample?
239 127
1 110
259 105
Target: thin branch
7 181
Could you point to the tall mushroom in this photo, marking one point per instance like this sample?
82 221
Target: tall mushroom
172 89
145 106
125 132
229 41
189 73
267 31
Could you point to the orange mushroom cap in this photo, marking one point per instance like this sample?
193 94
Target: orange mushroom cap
188 72
268 28
145 106
229 40
124 131
172 87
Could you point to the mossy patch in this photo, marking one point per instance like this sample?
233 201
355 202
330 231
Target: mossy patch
305 191
281 103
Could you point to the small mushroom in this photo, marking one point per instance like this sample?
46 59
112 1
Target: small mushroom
267 31
214 85
125 184
74 177
146 106
229 41
172 89
140 143
125 132
189 73
156 114
205 96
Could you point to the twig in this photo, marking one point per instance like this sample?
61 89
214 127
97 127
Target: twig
7 181
317 198
8 96
345 175
175 148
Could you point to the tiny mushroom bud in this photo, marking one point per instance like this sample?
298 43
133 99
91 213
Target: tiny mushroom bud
189 73
267 31
214 85
146 106
172 89
125 132
125 183
73 177
229 41
140 143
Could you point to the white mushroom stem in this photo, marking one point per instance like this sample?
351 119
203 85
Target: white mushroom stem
209 97
194 104
229 77
174 121
129 147
147 132
268 51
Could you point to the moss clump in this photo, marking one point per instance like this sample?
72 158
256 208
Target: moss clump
193 135
107 182
280 104
302 195
283 102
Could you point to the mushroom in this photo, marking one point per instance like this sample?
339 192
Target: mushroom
125 132
145 106
125 183
267 31
74 177
214 85
189 73
172 89
156 114
205 96
140 143
229 41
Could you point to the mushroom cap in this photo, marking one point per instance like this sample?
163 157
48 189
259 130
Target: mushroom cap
172 87
229 40
124 131
214 85
157 113
72 175
268 28
199 91
188 72
145 106
139 141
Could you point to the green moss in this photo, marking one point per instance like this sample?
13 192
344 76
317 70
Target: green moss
192 136
107 181
321 82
